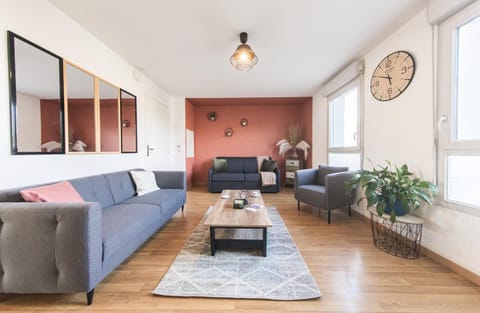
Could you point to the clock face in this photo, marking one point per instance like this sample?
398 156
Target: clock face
392 76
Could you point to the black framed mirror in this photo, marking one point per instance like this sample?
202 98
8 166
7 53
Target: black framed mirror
128 105
36 98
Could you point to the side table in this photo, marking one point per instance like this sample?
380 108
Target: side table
291 165
401 238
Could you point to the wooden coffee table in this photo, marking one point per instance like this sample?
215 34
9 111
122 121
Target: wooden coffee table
224 216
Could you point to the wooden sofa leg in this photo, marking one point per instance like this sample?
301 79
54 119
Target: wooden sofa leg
182 207
349 210
90 296
329 216
298 205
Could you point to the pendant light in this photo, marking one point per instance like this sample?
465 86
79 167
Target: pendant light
243 58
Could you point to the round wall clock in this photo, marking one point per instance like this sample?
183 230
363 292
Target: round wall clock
392 76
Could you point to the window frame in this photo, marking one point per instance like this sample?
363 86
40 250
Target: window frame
358 149
447 88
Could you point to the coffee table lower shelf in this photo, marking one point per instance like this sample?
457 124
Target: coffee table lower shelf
260 244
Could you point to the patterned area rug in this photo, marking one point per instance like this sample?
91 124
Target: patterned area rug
282 275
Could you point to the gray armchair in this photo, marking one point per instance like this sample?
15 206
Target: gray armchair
324 188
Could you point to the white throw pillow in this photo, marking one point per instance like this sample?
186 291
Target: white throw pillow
145 181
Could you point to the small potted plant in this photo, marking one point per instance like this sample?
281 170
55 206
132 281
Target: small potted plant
393 190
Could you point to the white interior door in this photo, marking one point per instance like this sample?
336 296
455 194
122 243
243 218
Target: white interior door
157 135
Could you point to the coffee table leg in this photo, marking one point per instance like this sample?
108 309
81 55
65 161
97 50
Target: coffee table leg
212 240
264 242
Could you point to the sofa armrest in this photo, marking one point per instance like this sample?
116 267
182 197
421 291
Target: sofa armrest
306 177
210 174
335 190
50 247
171 179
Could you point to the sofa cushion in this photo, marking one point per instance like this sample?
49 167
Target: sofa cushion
121 185
122 222
59 192
255 177
234 165
311 194
228 176
220 165
325 170
145 182
268 165
250 165
94 189
166 199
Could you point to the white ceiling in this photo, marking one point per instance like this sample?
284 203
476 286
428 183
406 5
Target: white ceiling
185 45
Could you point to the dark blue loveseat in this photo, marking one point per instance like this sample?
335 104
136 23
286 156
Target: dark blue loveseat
241 173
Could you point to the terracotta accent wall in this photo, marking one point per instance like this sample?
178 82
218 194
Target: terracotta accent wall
190 124
129 134
50 120
81 120
109 131
268 122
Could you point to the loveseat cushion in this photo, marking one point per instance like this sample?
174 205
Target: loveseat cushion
122 222
220 165
121 185
250 165
167 199
94 189
234 164
255 177
228 176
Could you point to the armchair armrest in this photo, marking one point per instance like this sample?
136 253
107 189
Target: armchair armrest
306 177
171 179
50 247
335 191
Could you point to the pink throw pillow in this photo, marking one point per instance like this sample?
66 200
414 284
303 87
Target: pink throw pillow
59 192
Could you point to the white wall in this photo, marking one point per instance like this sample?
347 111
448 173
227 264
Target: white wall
29 128
41 22
402 131
178 114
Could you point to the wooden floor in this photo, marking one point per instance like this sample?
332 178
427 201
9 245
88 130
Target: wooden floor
353 275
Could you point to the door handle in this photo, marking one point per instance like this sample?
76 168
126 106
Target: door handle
149 149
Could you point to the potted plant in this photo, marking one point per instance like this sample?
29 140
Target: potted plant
294 142
393 190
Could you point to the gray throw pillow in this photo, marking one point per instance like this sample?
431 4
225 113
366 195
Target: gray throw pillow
268 165
220 165
325 170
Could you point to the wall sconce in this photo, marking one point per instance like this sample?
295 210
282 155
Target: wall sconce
228 132
243 122
126 123
212 116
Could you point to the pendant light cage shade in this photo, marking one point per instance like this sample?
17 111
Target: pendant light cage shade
243 58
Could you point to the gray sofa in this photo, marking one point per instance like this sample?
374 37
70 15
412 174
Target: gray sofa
324 188
241 173
71 247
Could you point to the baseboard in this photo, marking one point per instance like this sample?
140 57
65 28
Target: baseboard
460 270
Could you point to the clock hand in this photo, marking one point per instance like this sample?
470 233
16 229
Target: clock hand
389 79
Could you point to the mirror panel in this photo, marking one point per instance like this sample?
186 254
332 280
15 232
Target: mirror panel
36 98
80 104
129 122
109 117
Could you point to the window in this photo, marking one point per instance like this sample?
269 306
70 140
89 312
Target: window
344 130
459 110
